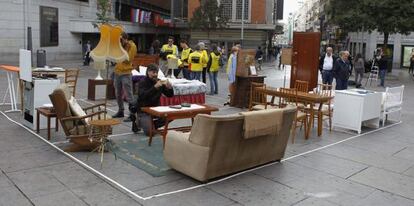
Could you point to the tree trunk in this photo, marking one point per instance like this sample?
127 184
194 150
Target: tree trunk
386 36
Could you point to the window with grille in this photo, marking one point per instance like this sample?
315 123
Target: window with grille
239 7
227 8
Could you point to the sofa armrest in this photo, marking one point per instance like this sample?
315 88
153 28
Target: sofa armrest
186 157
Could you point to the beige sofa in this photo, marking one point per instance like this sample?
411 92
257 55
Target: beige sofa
217 145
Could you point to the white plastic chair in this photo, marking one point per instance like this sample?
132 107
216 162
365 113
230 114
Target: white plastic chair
392 102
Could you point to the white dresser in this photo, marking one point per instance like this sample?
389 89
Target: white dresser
355 108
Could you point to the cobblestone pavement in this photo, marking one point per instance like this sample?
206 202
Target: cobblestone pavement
376 168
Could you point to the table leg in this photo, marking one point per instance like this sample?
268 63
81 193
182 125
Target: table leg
164 135
56 124
48 128
312 116
37 122
151 130
320 117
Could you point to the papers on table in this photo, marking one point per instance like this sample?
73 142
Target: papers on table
169 109
48 69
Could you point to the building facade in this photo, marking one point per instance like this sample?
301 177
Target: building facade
62 27
260 23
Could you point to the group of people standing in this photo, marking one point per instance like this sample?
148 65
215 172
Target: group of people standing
194 65
341 68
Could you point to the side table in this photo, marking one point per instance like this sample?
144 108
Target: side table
92 87
104 126
48 112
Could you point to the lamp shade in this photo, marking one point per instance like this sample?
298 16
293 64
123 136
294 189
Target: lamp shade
109 46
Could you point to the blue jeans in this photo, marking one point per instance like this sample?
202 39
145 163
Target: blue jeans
212 76
196 75
327 77
382 76
186 73
341 84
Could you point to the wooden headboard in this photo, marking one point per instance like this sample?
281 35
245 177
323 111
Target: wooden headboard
144 60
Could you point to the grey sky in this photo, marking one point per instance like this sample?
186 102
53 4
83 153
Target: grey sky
290 7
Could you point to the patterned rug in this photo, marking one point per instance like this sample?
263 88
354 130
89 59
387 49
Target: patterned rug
135 150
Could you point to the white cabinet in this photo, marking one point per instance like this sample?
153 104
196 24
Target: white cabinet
356 107
36 94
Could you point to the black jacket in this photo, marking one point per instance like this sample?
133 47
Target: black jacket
341 70
322 60
149 96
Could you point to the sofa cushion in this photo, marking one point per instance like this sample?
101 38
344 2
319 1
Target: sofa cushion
262 123
77 109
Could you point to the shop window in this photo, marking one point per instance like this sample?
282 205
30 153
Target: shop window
49 26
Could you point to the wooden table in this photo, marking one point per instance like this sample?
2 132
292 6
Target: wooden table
173 114
104 126
48 112
309 98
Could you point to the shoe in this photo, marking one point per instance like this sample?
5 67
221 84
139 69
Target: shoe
215 92
227 103
119 114
135 127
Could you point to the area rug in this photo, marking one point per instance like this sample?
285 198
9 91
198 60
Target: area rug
136 151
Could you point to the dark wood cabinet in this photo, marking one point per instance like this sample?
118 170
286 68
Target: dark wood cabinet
242 94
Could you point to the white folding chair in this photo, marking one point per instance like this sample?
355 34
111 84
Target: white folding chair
392 102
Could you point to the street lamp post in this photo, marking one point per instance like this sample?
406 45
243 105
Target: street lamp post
242 24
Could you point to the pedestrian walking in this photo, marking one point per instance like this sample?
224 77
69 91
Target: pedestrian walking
213 67
87 58
326 63
359 66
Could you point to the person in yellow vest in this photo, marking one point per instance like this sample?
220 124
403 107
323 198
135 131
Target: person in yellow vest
205 56
196 59
231 72
184 58
166 50
213 67
123 77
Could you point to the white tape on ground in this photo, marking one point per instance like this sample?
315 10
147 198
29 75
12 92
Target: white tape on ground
134 195
97 173
267 165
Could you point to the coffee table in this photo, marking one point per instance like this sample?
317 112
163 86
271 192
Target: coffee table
170 114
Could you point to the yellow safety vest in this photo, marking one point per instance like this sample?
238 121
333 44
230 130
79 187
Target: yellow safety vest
205 57
229 63
196 61
126 67
215 59
169 50
184 56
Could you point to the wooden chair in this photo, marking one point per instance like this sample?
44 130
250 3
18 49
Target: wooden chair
302 86
258 99
290 97
393 100
76 128
326 109
71 79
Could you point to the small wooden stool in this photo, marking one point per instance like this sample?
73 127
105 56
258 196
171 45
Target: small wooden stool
48 112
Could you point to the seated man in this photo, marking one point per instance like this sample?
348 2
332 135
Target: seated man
149 92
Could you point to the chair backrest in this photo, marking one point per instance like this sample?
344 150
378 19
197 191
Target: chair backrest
71 79
289 96
302 86
257 97
324 90
60 100
393 97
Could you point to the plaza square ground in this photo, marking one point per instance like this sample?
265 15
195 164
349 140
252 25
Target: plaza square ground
338 168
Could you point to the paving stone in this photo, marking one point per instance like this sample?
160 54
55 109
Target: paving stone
103 195
369 158
373 143
30 158
65 198
168 187
314 201
250 189
12 196
407 153
387 181
330 164
197 197
410 172
35 182
380 198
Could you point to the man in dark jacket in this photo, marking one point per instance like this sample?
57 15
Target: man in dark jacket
342 70
149 92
